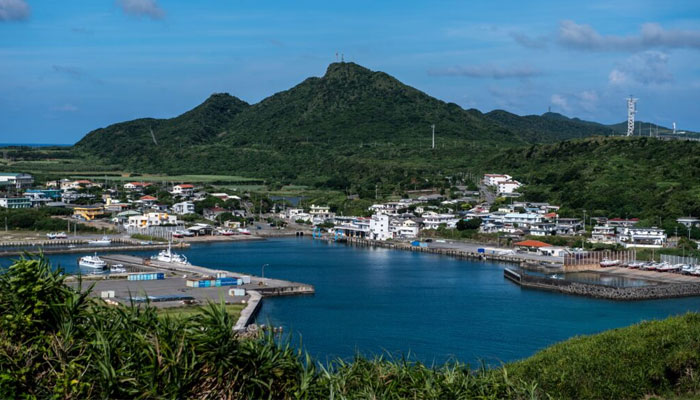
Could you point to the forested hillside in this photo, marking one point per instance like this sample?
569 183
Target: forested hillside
624 177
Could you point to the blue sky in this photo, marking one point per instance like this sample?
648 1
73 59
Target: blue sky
68 67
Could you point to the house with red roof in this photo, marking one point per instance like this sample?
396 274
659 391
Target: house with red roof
184 189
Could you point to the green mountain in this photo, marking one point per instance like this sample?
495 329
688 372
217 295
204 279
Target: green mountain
548 127
352 122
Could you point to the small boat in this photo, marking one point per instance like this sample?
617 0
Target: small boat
228 232
51 235
93 262
635 265
609 263
687 269
243 231
117 268
100 242
169 257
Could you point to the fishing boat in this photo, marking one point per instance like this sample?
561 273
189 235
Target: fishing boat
228 232
169 257
243 231
117 268
93 262
101 242
609 263
56 235
635 265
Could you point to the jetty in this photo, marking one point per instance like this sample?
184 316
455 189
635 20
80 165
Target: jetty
67 246
174 290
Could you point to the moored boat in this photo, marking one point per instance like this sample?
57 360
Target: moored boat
609 263
117 268
93 262
101 242
243 231
169 257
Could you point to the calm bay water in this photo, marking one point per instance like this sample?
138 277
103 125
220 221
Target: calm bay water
435 307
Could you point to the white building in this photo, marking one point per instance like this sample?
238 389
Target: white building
184 189
321 212
433 220
689 222
522 219
18 180
603 234
404 228
291 213
185 207
495 179
379 227
642 237
151 219
508 186
136 185
225 196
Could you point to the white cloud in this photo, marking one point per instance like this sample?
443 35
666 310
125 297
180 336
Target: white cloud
14 10
531 42
487 71
560 102
138 8
652 35
649 67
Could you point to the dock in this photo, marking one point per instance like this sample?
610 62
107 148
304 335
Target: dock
80 246
173 290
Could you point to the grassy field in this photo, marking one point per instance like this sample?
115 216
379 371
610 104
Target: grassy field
234 310
169 178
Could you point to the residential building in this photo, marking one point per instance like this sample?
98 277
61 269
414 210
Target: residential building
151 219
136 185
508 186
689 222
603 234
379 227
521 220
88 213
148 200
495 179
37 199
225 196
642 237
15 202
356 227
569 226
623 222
185 207
321 212
184 190
53 194
407 228
213 213
79 184
433 220
291 213
17 180
543 229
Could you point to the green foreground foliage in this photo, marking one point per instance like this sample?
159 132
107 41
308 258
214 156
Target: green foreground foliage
57 342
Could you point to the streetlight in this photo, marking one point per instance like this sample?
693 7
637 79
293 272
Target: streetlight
263 270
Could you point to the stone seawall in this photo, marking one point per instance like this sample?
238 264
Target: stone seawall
650 292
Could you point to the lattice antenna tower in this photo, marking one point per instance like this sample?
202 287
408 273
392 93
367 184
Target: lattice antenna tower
631 110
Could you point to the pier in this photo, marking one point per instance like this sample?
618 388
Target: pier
80 246
174 290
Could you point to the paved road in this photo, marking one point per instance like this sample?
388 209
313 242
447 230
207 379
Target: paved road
487 193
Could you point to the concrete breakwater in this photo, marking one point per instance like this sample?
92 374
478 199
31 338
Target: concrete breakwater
127 245
472 255
250 311
649 292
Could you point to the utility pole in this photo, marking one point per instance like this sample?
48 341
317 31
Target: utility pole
433 136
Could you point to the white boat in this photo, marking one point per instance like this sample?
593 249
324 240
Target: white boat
101 242
93 262
635 265
687 269
609 263
243 231
117 268
228 232
169 257
56 235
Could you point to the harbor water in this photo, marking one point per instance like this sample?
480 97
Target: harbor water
430 307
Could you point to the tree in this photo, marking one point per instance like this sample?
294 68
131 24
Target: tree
469 224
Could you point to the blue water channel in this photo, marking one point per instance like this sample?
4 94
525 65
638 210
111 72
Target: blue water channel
432 307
